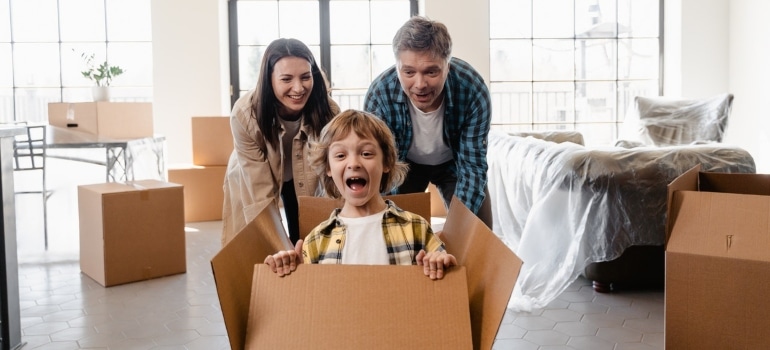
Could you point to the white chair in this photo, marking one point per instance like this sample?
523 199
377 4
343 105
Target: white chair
29 155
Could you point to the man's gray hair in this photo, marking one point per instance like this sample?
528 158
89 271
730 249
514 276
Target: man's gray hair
422 34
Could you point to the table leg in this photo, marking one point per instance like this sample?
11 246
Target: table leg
118 165
158 147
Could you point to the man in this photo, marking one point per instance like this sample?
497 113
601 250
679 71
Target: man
438 108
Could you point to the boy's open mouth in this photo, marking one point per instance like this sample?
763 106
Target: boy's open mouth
355 183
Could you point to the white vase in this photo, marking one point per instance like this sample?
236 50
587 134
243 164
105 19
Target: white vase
101 93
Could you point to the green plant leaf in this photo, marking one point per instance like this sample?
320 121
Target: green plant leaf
103 74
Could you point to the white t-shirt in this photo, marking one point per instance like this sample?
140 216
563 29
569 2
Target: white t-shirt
291 128
428 145
364 241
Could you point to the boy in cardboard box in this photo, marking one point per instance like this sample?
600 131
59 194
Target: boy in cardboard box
357 160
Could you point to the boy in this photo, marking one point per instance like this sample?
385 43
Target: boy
357 160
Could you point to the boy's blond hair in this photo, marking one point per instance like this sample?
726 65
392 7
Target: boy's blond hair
365 125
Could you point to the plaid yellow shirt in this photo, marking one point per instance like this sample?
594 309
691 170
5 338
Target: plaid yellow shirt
405 235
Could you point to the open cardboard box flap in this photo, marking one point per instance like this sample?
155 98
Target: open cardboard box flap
233 268
491 269
704 208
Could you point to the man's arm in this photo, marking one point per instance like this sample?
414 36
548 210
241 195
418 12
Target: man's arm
471 156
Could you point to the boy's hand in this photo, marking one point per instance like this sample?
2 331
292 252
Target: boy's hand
434 263
285 261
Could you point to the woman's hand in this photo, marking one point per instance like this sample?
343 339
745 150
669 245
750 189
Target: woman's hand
285 261
434 263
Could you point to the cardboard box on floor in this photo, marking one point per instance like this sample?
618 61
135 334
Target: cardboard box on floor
718 261
117 120
212 140
491 270
316 210
203 195
131 231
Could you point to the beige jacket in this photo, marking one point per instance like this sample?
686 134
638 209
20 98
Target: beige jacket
255 170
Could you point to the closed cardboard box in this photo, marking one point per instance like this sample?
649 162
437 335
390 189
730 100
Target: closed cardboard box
255 302
203 194
212 140
117 120
131 231
718 261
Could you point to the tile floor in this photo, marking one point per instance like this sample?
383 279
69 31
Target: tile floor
64 309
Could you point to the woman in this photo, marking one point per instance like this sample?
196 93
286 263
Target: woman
271 127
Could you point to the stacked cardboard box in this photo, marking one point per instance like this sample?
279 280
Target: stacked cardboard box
718 261
131 231
117 120
212 144
365 307
212 140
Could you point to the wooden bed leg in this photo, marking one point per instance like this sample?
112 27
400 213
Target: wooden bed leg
601 287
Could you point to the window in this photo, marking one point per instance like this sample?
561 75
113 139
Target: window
572 64
41 42
351 39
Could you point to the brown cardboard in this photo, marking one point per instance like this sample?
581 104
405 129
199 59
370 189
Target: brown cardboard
118 120
203 193
437 208
358 307
315 210
234 265
212 140
717 261
491 269
131 232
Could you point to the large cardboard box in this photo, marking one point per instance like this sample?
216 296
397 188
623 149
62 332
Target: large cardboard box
131 231
212 140
256 304
718 261
203 193
358 307
117 120
315 210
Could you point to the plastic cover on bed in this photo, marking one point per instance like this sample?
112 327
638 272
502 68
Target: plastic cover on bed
562 206
661 121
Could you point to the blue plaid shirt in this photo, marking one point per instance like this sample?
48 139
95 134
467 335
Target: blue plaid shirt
467 119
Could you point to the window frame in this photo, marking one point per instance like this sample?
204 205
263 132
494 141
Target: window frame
324 36
535 118
66 85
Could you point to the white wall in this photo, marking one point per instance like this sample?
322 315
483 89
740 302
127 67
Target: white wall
694 66
190 69
468 24
714 46
749 54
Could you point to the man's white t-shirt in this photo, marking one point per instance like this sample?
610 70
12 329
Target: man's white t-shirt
428 145
364 241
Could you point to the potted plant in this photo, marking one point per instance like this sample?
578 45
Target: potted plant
101 74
